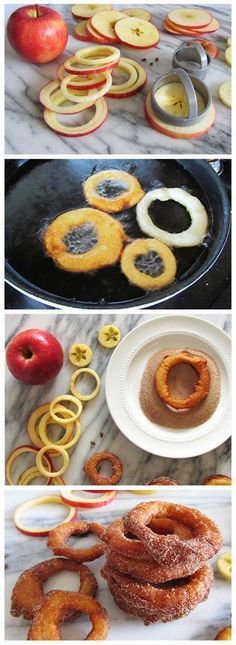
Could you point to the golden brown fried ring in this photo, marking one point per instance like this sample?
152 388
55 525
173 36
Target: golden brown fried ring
28 593
54 610
107 251
225 634
200 390
163 481
140 279
58 537
217 480
147 570
167 602
131 195
171 549
116 538
91 468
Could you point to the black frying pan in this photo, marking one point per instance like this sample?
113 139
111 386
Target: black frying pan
40 190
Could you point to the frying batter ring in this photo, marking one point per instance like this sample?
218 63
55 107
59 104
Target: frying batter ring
107 250
141 279
131 195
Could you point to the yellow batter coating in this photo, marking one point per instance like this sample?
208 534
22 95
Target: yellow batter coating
129 197
141 279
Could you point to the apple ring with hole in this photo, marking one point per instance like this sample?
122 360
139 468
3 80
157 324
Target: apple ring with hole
65 240
119 91
75 376
83 96
132 75
192 236
38 501
81 82
137 33
84 11
149 264
125 188
200 389
101 112
177 131
42 413
52 98
98 55
138 13
72 66
29 474
103 23
17 453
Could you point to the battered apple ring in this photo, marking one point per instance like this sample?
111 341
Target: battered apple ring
132 191
59 536
28 593
54 611
118 540
162 481
91 468
106 251
165 273
200 390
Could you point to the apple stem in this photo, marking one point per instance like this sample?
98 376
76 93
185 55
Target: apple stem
37 11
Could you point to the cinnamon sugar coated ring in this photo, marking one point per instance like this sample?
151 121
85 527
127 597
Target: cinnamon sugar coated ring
28 593
54 611
225 634
200 390
170 549
116 538
163 603
91 468
217 480
57 541
163 481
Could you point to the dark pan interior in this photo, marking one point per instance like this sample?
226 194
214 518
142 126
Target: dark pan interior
40 190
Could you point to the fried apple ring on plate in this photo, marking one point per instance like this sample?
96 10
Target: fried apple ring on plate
54 611
149 264
200 389
217 480
58 538
165 548
84 240
28 593
112 190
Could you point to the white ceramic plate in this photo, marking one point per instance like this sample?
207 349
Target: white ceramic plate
124 375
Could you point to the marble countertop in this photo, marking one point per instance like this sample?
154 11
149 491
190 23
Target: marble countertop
23 552
125 130
138 465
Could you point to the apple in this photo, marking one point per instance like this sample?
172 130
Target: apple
39 34
34 356
209 47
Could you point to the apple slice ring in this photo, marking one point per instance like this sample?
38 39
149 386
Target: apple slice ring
70 399
132 73
137 33
192 236
72 66
38 501
91 95
101 112
114 93
78 501
166 267
178 131
47 442
98 55
75 376
43 412
130 195
81 82
28 475
55 473
52 98
20 451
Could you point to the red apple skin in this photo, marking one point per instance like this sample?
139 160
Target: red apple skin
34 356
39 34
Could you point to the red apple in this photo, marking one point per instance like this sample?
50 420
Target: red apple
37 33
34 356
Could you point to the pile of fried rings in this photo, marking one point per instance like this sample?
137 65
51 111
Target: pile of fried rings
156 569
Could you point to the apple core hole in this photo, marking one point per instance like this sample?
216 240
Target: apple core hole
169 216
81 239
182 379
111 188
105 468
150 263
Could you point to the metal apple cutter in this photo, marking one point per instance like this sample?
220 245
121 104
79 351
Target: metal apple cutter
192 85
193 58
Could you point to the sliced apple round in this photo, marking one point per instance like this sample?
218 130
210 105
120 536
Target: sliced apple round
81 82
85 96
225 94
172 98
176 131
228 56
84 11
52 98
137 33
117 92
138 13
72 66
190 17
213 26
104 21
94 36
80 31
101 111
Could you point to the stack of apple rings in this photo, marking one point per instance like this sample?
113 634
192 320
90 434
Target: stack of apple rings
82 82
44 448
